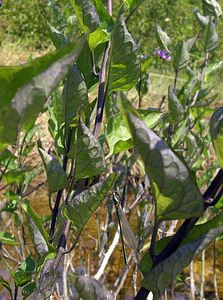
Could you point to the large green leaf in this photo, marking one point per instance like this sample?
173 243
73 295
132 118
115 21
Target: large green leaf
175 189
211 37
58 38
75 95
56 176
24 272
7 238
212 8
163 39
90 288
216 128
28 290
163 274
181 58
88 154
175 107
124 69
81 207
24 89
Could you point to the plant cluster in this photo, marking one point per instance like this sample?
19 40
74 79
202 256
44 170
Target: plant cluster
107 144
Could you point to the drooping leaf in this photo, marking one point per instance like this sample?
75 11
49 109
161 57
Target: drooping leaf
176 109
75 95
212 8
181 58
6 285
58 38
124 69
211 37
90 288
151 117
176 192
7 238
28 290
88 154
56 176
38 234
216 128
24 272
163 274
24 89
203 20
163 39
81 207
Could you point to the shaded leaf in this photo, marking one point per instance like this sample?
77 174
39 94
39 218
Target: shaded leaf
176 109
6 285
212 8
81 207
174 187
7 238
124 69
163 274
28 290
90 288
24 89
56 176
211 37
216 128
163 38
58 38
74 95
181 58
88 154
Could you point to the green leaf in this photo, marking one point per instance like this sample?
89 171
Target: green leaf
163 274
124 69
81 207
6 285
88 154
181 58
211 37
25 88
97 37
216 128
28 290
118 135
58 38
90 288
174 187
163 39
203 20
176 109
56 176
151 117
7 238
38 234
24 273
74 95
212 8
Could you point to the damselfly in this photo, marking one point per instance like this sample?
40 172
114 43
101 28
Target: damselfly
126 232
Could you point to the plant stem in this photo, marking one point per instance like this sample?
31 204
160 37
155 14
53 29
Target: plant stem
214 272
102 91
202 275
15 293
192 286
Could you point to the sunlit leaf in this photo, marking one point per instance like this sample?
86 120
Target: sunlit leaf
163 38
211 37
216 128
81 207
212 8
203 20
181 58
174 186
25 88
90 288
56 176
124 67
7 238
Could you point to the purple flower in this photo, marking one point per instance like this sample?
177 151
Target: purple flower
163 54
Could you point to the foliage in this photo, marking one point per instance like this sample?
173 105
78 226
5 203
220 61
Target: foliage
155 154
